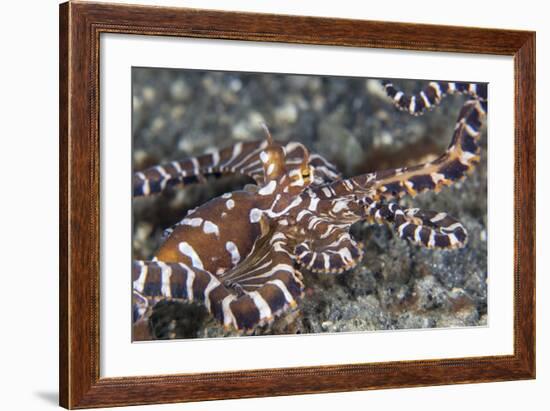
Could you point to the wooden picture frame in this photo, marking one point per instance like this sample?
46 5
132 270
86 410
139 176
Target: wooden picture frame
80 27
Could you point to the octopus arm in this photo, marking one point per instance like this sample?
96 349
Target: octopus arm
263 286
240 158
333 252
460 158
430 229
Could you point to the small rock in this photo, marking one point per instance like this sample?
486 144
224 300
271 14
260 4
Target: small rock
149 94
180 91
286 114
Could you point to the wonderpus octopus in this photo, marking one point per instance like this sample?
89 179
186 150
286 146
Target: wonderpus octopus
241 254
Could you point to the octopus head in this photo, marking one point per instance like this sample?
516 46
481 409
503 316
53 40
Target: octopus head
286 170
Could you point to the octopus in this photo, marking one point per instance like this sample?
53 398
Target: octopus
242 254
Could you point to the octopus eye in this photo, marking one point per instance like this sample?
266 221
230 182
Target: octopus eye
307 174
301 176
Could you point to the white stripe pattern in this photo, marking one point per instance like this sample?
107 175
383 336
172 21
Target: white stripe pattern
139 284
213 283
165 273
190 252
262 306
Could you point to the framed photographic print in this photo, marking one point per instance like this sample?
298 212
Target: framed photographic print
258 205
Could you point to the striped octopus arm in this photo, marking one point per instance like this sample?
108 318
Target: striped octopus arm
260 288
461 157
333 254
240 158
430 229
416 104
